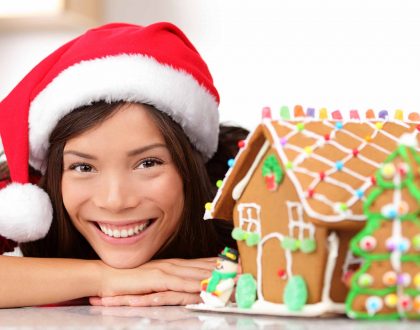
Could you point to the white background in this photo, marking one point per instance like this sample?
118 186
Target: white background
341 54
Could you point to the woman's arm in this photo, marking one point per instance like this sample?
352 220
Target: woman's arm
39 281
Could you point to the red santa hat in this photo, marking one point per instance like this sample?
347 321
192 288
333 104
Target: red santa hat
156 65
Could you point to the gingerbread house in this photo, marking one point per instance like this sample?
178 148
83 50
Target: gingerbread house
295 192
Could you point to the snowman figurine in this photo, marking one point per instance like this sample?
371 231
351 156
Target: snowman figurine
216 290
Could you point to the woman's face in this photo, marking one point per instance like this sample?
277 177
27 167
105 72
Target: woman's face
121 188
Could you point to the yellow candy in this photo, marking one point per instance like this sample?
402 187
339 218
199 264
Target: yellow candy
416 280
208 206
379 125
391 300
388 170
399 115
308 150
323 114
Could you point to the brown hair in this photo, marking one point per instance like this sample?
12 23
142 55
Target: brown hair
193 238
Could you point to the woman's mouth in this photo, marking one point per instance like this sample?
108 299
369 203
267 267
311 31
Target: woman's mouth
124 231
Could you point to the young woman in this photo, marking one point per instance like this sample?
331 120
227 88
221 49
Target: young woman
121 122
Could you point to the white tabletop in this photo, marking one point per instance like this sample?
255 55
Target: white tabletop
90 317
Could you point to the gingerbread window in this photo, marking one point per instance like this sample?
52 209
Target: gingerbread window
249 217
298 228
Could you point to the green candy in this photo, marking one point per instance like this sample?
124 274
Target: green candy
252 239
238 234
295 293
246 291
308 245
289 243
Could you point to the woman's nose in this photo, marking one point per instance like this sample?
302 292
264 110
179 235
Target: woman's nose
115 194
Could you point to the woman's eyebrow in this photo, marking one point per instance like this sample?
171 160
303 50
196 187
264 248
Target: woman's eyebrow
79 154
129 154
145 148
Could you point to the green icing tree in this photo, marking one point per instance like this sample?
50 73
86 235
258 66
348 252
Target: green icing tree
396 292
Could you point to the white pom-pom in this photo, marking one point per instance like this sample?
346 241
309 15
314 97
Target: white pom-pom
25 212
409 139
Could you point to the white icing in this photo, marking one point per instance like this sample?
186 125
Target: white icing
333 245
240 187
248 219
288 256
299 222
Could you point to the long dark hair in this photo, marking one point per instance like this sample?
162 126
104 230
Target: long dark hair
193 238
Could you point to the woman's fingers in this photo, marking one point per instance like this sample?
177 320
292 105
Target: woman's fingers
152 299
204 263
183 271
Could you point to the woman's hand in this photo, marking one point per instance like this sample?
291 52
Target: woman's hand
156 283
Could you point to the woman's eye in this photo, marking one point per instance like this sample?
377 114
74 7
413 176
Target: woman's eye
147 163
81 168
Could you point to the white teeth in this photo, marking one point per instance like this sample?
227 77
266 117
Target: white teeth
124 232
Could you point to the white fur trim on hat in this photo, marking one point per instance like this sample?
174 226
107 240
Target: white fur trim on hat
132 78
25 212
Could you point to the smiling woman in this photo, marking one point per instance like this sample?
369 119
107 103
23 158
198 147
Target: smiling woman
117 214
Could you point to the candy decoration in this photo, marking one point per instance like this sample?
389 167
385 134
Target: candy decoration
308 150
241 143
327 137
321 175
246 291
219 183
359 193
298 111
337 115
230 162
295 293
289 243
284 113
403 245
252 239
300 126
311 193
383 114
323 114
379 125
405 302
390 244
282 273
370 114
389 278
272 173
388 170
238 234
373 305
266 113
416 242
365 280
416 281
310 112
283 141
368 243
414 116
389 211
308 245
339 125
208 206
399 115
404 279
391 300
354 114
339 165
416 304
355 152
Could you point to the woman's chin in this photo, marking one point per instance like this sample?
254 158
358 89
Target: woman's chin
124 260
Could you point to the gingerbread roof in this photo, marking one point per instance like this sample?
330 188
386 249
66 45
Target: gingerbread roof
331 163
